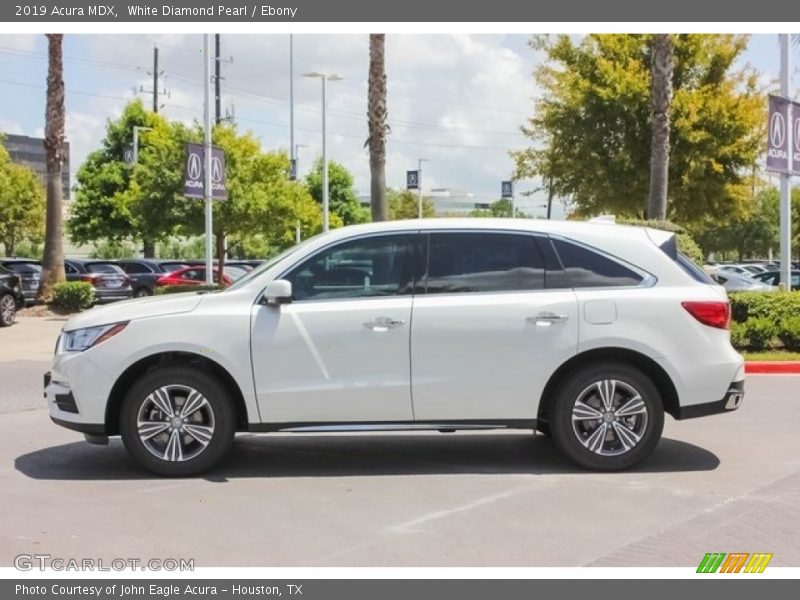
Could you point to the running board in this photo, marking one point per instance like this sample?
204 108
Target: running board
443 426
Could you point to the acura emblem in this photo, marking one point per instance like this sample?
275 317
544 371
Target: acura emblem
777 130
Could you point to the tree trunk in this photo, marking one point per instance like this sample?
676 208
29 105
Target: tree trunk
221 254
378 128
149 248
660 99
53 260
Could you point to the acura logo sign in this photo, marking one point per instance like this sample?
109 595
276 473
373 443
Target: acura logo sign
777 130
194 167
216 170
797 131
194 177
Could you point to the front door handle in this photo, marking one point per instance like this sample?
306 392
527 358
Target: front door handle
545 318
381 324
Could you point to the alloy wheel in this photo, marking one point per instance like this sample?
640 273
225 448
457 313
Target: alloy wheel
609 417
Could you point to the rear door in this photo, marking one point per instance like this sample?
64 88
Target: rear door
487 333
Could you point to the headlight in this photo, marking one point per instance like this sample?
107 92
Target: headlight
79 340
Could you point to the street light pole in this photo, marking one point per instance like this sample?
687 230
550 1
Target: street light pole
292 148
325 192
419 184
786 206
296 148
207 160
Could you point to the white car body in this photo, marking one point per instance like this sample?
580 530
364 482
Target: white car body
440 361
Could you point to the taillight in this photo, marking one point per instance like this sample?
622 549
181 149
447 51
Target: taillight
712 313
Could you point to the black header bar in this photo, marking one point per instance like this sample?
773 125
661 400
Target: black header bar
411 11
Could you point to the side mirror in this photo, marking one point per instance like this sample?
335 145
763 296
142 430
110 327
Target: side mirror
277 292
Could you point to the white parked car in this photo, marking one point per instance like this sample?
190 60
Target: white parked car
588 332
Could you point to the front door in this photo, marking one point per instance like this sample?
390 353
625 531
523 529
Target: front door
339 352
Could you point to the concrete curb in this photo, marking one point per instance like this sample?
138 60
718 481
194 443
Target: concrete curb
772 366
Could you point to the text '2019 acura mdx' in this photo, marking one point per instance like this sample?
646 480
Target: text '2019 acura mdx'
590 332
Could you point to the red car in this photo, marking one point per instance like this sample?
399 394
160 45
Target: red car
196 275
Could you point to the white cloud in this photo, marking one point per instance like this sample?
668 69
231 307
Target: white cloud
457 100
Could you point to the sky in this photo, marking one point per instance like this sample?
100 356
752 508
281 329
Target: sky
457 100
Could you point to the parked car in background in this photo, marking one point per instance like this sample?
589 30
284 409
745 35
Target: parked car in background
109 280
246 265
587 331
738 282
11 296
740 269
773 278
196 275
144 272
28 271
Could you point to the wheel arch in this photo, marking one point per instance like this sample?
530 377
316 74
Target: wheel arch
160 359
659 377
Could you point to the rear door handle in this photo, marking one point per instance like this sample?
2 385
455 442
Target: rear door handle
545 318
381 324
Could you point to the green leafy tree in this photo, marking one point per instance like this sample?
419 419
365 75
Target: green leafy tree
22 204
103 205
404 204
751 235
499 208
342 195
591 131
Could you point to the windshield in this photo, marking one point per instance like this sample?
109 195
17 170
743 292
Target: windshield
255 273
24 267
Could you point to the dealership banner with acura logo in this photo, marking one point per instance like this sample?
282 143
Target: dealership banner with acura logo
783 136
194 173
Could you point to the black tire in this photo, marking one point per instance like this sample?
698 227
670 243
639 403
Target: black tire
142 292
218 413
573 438
8 310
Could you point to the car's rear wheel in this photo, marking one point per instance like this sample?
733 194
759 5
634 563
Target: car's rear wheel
607 417
142 292
8 310
177 421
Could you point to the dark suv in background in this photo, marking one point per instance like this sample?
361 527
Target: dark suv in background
109 280
144 272
28 271
11 298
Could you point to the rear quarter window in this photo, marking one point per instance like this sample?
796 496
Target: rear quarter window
586 268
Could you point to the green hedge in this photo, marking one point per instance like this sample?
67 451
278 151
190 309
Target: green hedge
177 289
765 319
72 296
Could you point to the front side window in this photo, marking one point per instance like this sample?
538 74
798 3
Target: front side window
483 262
367 267
585 268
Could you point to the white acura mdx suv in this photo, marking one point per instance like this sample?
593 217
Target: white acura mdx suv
587 332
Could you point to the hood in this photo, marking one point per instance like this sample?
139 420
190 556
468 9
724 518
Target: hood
128 310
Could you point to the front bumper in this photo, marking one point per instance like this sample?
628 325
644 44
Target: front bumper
732 400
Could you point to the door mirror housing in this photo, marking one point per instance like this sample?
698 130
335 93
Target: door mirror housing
277 292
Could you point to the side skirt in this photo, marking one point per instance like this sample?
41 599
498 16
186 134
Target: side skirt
443 426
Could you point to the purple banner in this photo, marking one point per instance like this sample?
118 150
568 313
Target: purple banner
796 138
194 173
778 135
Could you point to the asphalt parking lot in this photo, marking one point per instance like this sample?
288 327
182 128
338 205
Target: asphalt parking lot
729 483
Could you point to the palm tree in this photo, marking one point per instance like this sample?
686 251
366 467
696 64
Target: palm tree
53 263
660 99
378 127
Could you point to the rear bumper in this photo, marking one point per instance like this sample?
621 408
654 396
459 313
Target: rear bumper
732 400
112 294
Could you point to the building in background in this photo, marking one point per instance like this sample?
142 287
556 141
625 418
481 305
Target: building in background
29 151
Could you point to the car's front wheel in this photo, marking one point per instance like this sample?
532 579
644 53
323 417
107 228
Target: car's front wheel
177 421
8 310
607 417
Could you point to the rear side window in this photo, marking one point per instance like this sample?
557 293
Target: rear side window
692 270
585 268
136 267
483 262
